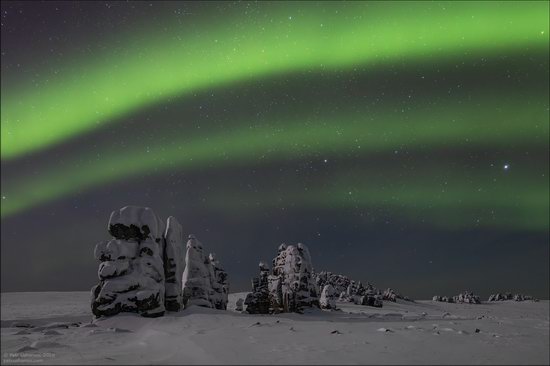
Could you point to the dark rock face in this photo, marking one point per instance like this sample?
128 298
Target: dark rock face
258 301
131 232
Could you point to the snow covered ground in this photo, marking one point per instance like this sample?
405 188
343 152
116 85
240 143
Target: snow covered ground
56 328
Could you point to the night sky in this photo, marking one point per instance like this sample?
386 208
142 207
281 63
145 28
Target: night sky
407 144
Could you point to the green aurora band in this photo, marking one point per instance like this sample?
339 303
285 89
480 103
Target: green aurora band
325 36
297 36
488 124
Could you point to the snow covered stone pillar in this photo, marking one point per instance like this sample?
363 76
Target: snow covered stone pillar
131 273
219 283
328 298
291 285
173 258
196 276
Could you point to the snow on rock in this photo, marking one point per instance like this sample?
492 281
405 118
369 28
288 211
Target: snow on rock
131 272
349 290
389 295
339 282
196 276
174 256
220 286
291 284
289 288
204 281
467 297
132 283
443 299
509 296
328 298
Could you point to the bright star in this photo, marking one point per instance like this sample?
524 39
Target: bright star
506 166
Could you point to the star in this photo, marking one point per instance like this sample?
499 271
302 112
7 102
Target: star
506 166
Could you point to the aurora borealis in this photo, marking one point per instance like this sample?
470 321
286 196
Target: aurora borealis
375 130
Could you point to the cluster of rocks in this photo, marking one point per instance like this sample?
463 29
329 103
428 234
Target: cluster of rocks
510 296
391 295
466 297
339 282
443 298
141 268
348 290
289 287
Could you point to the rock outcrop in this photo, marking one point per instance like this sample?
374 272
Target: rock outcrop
142 268
339 282
131 272
291 284
467 297
258 301
443 299
290 287
348 290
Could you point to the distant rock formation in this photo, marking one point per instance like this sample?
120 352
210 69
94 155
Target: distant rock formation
289 288
443 299
328 298
467 297
509 296
142 268
131 273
